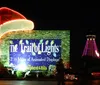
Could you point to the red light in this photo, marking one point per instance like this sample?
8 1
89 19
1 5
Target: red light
7 14
95 74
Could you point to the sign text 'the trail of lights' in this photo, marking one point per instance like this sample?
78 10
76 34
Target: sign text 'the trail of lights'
34 47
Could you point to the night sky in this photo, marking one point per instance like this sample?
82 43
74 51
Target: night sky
62 16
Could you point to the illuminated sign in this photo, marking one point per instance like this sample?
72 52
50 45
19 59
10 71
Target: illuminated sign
39 54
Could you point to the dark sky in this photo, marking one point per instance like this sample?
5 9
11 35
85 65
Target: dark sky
61 16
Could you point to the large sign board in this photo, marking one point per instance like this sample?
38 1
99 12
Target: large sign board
38 54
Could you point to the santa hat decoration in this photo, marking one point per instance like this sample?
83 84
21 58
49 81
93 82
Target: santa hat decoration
11 20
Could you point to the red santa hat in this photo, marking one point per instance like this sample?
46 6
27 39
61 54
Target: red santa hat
13 20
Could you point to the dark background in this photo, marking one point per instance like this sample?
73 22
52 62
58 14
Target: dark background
50 15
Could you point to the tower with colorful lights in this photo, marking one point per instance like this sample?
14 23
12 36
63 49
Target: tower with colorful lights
90 56
91 47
